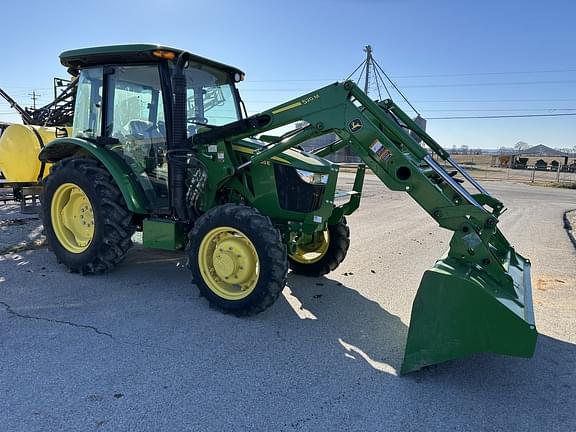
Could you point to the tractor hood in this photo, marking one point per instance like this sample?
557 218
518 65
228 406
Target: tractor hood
297 158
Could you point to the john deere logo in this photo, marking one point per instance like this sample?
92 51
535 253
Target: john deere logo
355 125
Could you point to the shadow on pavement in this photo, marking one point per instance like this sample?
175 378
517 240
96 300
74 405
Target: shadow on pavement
474 393
357 326
525 394
364 330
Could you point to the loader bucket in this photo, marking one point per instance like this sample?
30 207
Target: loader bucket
460 310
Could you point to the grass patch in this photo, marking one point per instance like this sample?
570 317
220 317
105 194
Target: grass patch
568 185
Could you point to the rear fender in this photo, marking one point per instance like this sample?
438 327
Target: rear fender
131 190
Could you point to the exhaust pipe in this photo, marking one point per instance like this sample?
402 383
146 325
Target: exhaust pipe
177 155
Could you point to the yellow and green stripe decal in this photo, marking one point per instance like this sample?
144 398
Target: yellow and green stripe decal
250 151
287 107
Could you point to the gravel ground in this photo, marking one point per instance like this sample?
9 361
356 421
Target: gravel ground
138 350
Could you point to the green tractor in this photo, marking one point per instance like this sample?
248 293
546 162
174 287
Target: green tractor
162 144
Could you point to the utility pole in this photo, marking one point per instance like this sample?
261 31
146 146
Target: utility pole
368 51
34 96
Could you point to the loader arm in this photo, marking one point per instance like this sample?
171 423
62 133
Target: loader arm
476 298
373 131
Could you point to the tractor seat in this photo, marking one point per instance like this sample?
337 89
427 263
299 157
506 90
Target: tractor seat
144 130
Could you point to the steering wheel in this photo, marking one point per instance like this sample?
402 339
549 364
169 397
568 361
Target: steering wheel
197 120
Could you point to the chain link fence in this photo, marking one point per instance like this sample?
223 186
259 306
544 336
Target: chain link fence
562 175
479 167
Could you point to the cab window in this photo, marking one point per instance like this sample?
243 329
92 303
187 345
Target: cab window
135 119
88 108
210 98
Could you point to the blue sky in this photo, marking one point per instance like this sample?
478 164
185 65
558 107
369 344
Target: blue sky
451 58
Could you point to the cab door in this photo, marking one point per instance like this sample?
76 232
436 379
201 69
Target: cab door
134 119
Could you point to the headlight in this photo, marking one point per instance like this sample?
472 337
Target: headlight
313 178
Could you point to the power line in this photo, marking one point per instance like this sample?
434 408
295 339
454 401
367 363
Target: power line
484 73
424 101
499 109
25 88
501 116
497 84
493 100
440 75
395 87
509 83
547 111
359 66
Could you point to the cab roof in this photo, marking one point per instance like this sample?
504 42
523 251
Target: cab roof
131 53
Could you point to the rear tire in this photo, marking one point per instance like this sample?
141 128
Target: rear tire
86 222
338 238
237 259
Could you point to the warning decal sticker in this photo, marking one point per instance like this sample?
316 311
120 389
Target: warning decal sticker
380 151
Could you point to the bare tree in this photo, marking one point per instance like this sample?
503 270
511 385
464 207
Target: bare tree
521 145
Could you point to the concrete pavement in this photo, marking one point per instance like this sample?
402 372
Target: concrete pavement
138 350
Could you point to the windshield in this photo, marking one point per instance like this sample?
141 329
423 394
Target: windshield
210 98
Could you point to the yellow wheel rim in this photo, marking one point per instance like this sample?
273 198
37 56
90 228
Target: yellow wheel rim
228 263
72 218
314 251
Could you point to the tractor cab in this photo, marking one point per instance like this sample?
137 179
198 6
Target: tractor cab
124 102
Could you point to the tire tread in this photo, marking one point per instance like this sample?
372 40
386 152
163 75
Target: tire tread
118 227
275 255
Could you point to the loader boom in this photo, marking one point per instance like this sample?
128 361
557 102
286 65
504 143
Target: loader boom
375 133
478 297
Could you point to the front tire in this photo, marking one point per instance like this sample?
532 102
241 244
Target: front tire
86 222
325 254
237 258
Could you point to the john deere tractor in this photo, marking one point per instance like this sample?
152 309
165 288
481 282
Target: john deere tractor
161 143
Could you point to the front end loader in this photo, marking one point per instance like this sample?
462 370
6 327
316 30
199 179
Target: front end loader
160 144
